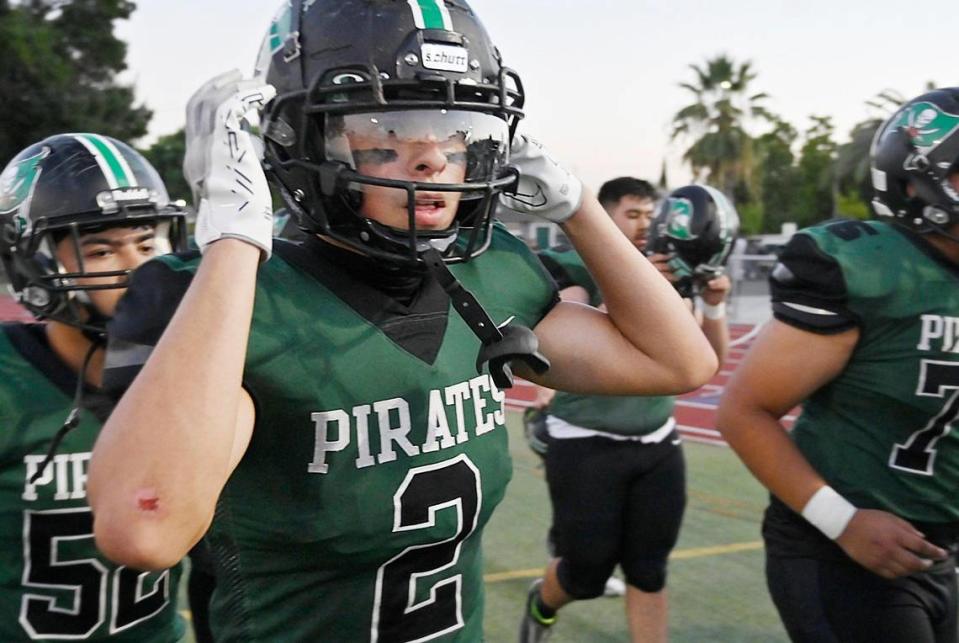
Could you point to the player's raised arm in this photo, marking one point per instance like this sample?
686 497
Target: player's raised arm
646 342
689 243
185 421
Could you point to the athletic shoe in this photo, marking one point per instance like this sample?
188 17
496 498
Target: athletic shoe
534 628
614 587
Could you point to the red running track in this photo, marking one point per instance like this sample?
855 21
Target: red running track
12 311
695 411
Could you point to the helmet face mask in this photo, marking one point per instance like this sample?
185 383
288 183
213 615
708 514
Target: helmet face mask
696 225
354 67
913 156
56 193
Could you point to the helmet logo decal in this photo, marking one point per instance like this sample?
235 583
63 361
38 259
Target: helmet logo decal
927 125
114 166
679 219
17 183
280 28
430 14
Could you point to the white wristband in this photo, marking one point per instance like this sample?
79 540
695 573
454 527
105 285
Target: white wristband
714 312
828 512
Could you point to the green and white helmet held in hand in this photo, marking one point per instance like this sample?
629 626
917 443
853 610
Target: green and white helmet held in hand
697 225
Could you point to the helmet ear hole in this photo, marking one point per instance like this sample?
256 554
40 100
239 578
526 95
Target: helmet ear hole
906 188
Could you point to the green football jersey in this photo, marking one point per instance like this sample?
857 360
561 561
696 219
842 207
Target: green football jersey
880 432
609 413
356 512
54 585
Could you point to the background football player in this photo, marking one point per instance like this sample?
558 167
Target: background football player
862 528
614 464
78 212
323 409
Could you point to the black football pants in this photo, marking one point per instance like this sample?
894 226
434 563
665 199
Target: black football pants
823 596
615 502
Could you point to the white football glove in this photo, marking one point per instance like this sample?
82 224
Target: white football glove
546 189
222 163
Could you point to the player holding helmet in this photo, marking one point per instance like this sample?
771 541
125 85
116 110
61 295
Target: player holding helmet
862 529
692 237
323 409
78 212
614 464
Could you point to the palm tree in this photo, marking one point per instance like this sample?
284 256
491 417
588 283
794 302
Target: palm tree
716 121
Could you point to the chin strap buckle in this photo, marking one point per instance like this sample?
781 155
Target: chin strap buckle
500 344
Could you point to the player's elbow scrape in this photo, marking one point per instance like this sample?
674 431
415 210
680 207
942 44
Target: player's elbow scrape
139 540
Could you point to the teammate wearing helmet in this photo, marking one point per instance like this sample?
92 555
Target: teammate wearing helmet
614 464
863 525
78 212
323 409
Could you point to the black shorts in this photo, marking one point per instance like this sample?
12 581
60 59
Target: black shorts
615 501
823 595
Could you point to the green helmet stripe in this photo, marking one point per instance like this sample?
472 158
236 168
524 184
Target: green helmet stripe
430 14
115 168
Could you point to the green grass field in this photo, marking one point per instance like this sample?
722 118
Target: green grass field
716 583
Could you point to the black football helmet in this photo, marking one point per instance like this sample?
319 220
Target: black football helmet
395 69
918 146
65 186
697 225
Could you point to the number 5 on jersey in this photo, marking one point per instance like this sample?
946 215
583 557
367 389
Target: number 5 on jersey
68 594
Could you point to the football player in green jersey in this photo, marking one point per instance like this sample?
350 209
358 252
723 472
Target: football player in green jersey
334 414
863 525
78 212
614 464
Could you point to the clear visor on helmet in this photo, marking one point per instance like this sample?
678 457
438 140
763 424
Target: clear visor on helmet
429 146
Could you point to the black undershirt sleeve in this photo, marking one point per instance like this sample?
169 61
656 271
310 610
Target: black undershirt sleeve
141 317
557 271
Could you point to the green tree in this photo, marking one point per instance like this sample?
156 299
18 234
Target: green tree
777 176
60 60
816 200
166 155
852 160
716 123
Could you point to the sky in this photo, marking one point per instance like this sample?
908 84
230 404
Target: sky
602 76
